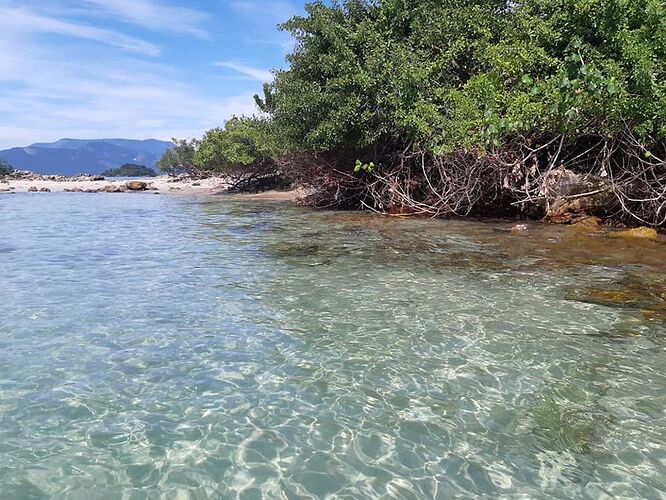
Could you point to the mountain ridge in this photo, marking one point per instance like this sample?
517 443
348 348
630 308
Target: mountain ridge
91 156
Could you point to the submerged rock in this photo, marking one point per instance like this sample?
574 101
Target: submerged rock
591 223
637 232
136 185
520 228
654 314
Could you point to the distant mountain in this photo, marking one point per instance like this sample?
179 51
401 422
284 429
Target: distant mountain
76 156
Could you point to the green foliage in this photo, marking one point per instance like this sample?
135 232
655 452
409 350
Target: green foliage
130 170
5 168
180 158
448 74
242 144
366 167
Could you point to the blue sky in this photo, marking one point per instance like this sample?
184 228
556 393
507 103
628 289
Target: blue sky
133 68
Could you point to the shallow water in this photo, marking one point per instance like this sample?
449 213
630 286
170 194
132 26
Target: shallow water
155 346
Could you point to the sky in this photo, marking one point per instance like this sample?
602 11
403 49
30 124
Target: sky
136 69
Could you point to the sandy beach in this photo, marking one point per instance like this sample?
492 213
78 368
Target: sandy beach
162 184
158 185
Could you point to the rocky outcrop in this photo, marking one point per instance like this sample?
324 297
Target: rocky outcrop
571 197
26 175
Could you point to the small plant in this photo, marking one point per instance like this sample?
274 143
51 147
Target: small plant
366 167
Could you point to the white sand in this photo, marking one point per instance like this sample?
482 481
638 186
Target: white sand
162 184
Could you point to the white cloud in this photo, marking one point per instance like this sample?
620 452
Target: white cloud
153 15
106 97
261 75
26 21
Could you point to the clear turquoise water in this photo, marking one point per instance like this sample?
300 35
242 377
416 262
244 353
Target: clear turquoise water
162 347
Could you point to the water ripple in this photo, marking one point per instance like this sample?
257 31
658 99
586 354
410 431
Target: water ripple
159 347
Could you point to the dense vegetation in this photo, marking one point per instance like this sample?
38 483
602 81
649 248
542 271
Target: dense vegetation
5 168
130 170
459 107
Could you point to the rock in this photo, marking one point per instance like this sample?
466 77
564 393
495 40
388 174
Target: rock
646 233
571 195
112 188
45 190
196 184
586 224
33 189
97 178
73 190
520 228
136 185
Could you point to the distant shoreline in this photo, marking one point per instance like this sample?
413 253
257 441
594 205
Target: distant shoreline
163 184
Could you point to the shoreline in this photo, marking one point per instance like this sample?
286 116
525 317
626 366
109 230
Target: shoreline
217 186
162 184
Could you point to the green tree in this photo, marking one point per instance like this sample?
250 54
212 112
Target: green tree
244 144
179 159
5 168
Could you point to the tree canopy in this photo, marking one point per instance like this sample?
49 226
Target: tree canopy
130 170
450 74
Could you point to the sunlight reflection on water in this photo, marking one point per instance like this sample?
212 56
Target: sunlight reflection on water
160 346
